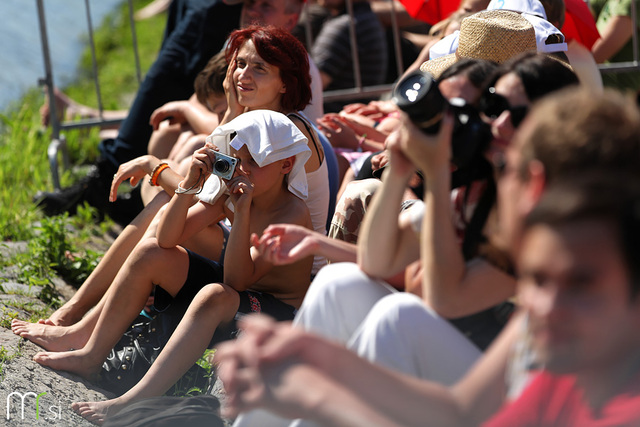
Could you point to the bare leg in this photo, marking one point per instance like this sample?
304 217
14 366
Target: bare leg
101 278
214 304
148 265
153 195
54 338
163 140
67 108
184 147
152 9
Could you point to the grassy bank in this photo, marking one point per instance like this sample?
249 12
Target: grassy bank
23 163
63 246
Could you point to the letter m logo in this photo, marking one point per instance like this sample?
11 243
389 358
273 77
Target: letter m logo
22 397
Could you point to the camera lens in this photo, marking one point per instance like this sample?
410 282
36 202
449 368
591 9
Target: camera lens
418 96
221 165
413 87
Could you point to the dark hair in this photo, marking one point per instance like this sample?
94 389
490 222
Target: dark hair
612 198
539 73
476 70
209 80
279 48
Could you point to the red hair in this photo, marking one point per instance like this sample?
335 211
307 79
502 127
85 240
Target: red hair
279 48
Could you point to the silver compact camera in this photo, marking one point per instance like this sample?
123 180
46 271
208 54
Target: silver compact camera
224 166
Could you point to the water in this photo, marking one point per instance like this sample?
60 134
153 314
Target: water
21 63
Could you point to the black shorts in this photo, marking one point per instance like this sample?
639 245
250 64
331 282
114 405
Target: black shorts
203 271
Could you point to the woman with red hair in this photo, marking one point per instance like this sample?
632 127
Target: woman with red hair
268 70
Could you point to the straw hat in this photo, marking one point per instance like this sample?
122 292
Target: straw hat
493 35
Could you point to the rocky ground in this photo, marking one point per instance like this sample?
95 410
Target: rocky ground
20 375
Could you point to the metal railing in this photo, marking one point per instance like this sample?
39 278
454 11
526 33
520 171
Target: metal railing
58 146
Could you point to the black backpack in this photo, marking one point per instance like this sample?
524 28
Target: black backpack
167 411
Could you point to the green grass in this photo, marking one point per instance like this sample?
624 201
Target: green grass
7 356
24 168
116 63
56 245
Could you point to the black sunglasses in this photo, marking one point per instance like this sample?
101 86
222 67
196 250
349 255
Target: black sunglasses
493 105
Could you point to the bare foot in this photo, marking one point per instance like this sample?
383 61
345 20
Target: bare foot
66 108
49 337
76 361
152 9
64 316
97 412
61 103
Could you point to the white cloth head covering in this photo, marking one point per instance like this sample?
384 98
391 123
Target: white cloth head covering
269 136
531 10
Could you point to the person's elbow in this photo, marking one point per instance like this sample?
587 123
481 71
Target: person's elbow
165 241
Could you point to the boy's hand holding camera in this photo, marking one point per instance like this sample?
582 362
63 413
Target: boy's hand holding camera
240 190
201 165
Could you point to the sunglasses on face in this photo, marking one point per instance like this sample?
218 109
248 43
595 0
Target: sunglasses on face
493 105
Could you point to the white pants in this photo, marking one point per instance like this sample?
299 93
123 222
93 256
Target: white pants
390 328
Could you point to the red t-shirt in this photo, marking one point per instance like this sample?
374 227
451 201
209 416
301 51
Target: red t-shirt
556 401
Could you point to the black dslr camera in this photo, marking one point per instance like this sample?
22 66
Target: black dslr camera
419 97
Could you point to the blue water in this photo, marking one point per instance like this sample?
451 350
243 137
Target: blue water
21 63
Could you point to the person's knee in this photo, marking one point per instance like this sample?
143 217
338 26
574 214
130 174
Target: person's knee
148 252
345 288
342 279
217 298
400 310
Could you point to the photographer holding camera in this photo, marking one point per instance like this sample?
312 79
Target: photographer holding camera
461 283
453 283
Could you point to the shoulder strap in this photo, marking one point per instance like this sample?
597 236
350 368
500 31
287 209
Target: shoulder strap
311 131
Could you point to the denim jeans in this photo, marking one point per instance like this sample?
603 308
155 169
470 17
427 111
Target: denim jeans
196 30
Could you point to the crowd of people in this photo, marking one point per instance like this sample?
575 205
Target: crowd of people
480 265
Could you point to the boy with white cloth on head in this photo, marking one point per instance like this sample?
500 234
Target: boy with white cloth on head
267 187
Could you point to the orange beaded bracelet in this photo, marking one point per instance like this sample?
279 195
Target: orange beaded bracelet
155 174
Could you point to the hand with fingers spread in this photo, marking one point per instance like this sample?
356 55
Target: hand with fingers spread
338 132
134 170
359 123
368 110
258 368
284 244
354 108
